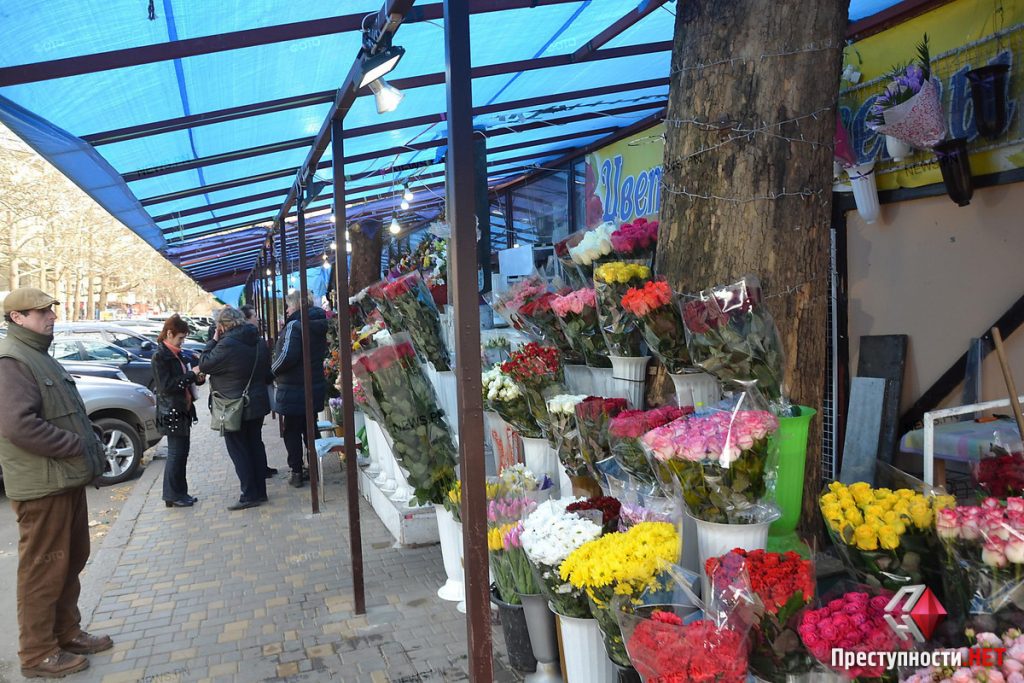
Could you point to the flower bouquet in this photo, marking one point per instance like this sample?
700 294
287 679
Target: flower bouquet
624 432
606 511
539 316
508 303
577 314
503 396
624 564
537 371
721 463
563 435
549 535
593 248
392 379
784 584
620 327
984 562
1007 667
375 295
453 501
636 240
661 323
495 350
854 622
909 109
882 535
1000 471
363 402
411 302
570 273
666 648
732 336
592 416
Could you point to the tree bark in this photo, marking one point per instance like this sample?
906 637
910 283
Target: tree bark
367 238
737 202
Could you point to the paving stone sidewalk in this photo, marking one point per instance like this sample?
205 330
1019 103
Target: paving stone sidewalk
204 594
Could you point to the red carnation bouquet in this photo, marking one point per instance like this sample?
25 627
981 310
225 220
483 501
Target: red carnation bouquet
636 240
415 312
608 507
784 584
537 371
657 308
592 417
624 432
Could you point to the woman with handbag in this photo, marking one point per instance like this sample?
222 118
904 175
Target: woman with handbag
238 363
175 385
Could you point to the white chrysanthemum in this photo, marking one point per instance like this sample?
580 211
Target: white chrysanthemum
550 533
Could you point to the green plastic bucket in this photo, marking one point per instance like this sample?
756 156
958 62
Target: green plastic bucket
789 488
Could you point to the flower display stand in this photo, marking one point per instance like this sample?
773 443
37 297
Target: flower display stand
865 191
583 649
629 379
540 458
540 622
697 389
454 588
578 379
789 487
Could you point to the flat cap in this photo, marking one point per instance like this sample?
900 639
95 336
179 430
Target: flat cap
27 299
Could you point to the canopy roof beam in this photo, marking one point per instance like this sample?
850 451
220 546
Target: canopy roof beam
618 27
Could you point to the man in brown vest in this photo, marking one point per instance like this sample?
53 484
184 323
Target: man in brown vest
49 453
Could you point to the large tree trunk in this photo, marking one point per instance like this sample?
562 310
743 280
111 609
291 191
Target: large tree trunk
735 202
367 239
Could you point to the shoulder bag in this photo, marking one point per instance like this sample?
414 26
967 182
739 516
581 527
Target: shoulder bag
226 413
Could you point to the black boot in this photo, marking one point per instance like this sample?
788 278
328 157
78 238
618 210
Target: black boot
296 480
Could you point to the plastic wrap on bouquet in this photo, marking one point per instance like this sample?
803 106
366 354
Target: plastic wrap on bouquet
421 439
577 316
624 432
592 417
636 240
414 309
537 372
571 276
593 248
999 471
514 494
505 442
540 318
503 395
659 311
620 328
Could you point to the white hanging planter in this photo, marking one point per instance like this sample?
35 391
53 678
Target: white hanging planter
897 149
865 191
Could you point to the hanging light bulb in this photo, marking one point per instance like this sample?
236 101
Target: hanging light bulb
407 195
404 205
394 228
348 247
332 217
334 246
387 97
268 271
346 235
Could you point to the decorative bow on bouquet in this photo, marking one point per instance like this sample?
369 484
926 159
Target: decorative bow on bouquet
620 328
410 300
909 108
658 310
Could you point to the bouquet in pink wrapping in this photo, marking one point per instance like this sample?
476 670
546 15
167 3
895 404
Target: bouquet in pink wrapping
577 315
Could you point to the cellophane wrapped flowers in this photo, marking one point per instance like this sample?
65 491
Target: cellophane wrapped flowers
620 564
636 240
563 435
984 562
667 649
550 534
508 303
542 320
577 314
393 380
620 328
910 108
733 336
624 432
412 305
784 584
999 472
1007 669
720 461
570 273
883 535
503 396
661 322
854 622
511 498
592 416
537 371
592 248
605 511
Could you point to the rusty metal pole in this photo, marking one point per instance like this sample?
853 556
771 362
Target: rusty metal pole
345 356
307 362
284 291
463 264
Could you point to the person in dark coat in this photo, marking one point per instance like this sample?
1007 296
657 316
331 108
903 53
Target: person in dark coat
175 384
290 391
234 359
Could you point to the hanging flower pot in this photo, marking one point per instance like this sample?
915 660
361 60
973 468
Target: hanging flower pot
897 149
956 170
988 93
865 191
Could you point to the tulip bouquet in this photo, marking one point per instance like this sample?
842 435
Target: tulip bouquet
624 432
721 462
511 497
985 561
1007 669
537 371
562 433
577 314
732 336
415 312
393 380
661 323
549 535
620 328
502 395
620 564
784 584
854 622
592 416
593 248
453 501
882 535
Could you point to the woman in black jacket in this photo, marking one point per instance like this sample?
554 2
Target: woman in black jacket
175 408
238 363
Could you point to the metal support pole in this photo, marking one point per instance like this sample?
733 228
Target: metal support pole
265 312
463 264
345 356
307 362
272 325
257 302
483 211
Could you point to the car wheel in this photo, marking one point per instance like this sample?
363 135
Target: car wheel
123 449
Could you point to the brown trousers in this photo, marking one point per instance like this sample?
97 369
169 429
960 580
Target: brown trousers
52 552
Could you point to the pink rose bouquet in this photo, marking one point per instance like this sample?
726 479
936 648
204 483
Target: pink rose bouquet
636 240
1009 667
577 314
624 432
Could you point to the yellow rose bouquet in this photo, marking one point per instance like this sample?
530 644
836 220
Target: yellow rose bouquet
621 329
882 534
623 563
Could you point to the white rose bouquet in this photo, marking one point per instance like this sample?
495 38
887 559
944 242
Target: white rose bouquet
562 433
504 397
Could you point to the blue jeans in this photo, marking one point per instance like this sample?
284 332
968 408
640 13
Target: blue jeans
175 486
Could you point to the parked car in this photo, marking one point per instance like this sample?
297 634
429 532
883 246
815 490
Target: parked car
104 370
138 369
128 339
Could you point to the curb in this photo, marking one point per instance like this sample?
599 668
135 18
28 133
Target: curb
103 561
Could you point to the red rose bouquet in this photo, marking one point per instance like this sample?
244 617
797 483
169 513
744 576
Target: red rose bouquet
540 317
732 336
636 240
577 314
393 380
784 584
854 622
415 312
661 323
508 303
1000 471
537 371
592 417
624 432
608 507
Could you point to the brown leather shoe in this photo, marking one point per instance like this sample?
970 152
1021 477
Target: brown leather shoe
88 644
56 665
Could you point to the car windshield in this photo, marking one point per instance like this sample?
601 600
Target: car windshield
100 351
65 350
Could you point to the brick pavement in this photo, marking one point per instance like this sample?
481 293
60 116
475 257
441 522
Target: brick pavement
204 594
